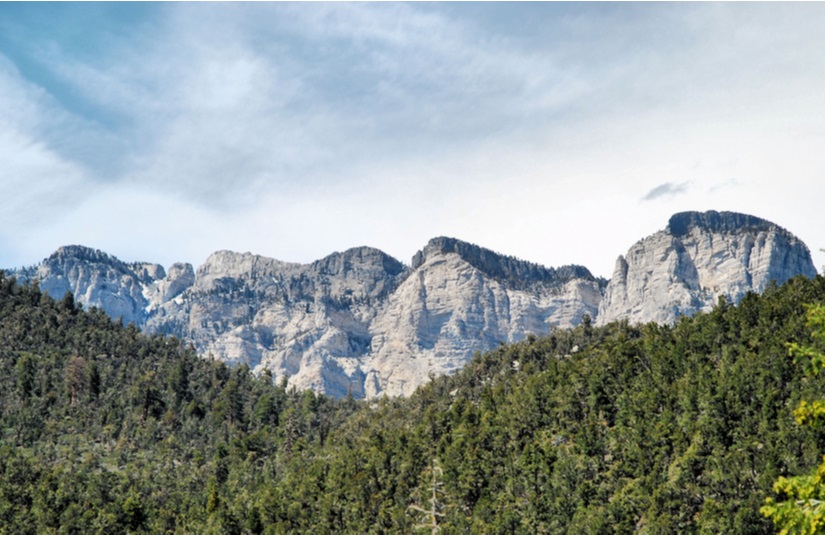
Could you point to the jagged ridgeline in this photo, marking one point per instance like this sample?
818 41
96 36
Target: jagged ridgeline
356 322
363 323
614 429
515 272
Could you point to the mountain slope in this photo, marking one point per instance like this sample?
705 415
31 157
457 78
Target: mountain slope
459 299
97 279
361 322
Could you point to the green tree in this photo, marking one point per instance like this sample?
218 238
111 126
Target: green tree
26 370
803 510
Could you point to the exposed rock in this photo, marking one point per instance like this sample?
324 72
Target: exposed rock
307 322
459 299
362 322
697 258
357 321
97 280
179 278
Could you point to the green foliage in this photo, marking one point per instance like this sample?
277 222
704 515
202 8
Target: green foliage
104 430
803 510
648 428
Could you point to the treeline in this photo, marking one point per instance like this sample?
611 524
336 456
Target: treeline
617 429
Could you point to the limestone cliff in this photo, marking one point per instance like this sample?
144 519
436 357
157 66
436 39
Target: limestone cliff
97 279
459 299
308 322
362 322
700 256
357 321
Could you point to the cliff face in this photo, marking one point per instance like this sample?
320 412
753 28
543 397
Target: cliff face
362 322
697 258
459 299
97 280
308 322
357 321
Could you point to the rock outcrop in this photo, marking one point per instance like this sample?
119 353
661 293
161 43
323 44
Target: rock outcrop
355 322
458 299
362 322
308 322
97 279
698 258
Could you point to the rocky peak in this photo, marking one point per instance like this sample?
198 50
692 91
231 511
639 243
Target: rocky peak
180 277
700 256
717 222
358 259
98 279
507 269
241 265
83 254
360 321
147 272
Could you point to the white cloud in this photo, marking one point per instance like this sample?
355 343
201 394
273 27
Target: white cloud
38 183
294 130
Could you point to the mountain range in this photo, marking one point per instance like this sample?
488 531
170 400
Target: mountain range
360 322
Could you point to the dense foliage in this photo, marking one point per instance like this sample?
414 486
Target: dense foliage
803 511
596 430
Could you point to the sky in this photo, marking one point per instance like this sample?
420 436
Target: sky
559 133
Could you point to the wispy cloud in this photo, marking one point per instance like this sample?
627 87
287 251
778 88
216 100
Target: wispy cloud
730 183
37 180
668 189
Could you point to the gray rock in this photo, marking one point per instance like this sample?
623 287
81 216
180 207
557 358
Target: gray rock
460 299
357 321
362 322
699 257
97 280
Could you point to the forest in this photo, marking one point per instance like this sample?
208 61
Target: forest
618 429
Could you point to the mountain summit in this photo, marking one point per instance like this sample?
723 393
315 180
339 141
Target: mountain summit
699 257
362 322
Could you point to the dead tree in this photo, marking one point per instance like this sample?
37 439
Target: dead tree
436 504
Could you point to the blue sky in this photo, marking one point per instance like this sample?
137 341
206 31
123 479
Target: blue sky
557 133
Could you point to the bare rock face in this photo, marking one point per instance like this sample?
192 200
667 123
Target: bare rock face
361 322
459 299
307 322
165 288
97 280
697 258
355 322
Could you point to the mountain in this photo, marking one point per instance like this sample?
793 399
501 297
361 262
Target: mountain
457 299
695 260
355 322
361 322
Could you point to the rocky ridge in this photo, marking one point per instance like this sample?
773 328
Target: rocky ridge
362 322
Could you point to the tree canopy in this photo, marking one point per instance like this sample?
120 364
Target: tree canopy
649 428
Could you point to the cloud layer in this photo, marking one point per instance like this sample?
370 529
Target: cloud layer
167 131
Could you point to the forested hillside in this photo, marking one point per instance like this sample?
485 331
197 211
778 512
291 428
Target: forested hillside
594 430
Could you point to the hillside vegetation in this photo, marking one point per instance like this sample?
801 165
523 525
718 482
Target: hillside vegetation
615 429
